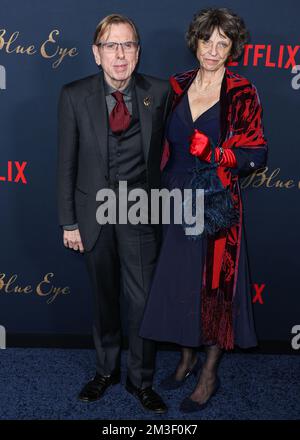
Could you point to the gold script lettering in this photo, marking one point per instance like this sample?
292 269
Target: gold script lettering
58 51
8 286
43 290
8 45
260 178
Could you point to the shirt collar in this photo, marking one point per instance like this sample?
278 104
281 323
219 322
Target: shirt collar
127 91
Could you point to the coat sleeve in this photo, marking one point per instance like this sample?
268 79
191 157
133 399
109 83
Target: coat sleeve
67 158
249 160
247 139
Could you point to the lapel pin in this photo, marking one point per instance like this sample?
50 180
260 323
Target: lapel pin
147 101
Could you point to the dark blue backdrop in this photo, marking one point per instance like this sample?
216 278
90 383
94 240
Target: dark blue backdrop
31 241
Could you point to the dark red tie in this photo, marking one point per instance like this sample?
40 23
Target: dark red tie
119 119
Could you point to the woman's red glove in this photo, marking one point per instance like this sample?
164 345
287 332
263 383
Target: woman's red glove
200 147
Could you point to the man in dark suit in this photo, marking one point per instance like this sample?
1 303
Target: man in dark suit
111 128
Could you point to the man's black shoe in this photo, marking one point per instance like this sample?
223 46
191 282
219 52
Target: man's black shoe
149 399
95 389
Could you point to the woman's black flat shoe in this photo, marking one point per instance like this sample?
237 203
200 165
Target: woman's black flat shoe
170 383
188 405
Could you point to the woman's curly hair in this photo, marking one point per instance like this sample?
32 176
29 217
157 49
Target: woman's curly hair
204 23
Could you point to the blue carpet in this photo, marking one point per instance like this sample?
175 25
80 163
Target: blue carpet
44 383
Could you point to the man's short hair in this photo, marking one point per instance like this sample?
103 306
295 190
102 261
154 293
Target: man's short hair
107 21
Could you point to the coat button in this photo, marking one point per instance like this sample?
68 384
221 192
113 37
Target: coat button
252 164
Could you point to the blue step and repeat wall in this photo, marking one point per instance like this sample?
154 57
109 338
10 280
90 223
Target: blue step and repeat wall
44 288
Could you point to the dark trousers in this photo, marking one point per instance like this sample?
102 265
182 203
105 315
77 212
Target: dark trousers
123 259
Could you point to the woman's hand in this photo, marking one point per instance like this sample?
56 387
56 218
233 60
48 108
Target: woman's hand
200 146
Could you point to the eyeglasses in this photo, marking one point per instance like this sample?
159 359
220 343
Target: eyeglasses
112 46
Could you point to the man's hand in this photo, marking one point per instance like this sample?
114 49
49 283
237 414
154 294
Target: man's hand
72 240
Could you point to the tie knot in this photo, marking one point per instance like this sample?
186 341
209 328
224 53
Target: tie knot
118 96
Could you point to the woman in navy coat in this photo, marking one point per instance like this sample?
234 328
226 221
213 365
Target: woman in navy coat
200 293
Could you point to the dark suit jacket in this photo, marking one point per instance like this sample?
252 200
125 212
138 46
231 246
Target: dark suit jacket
83 149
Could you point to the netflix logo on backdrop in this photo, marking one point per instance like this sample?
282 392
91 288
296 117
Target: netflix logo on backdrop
13 171
258 295
284 56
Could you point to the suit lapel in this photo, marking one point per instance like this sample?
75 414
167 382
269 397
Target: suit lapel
97 109
144 104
